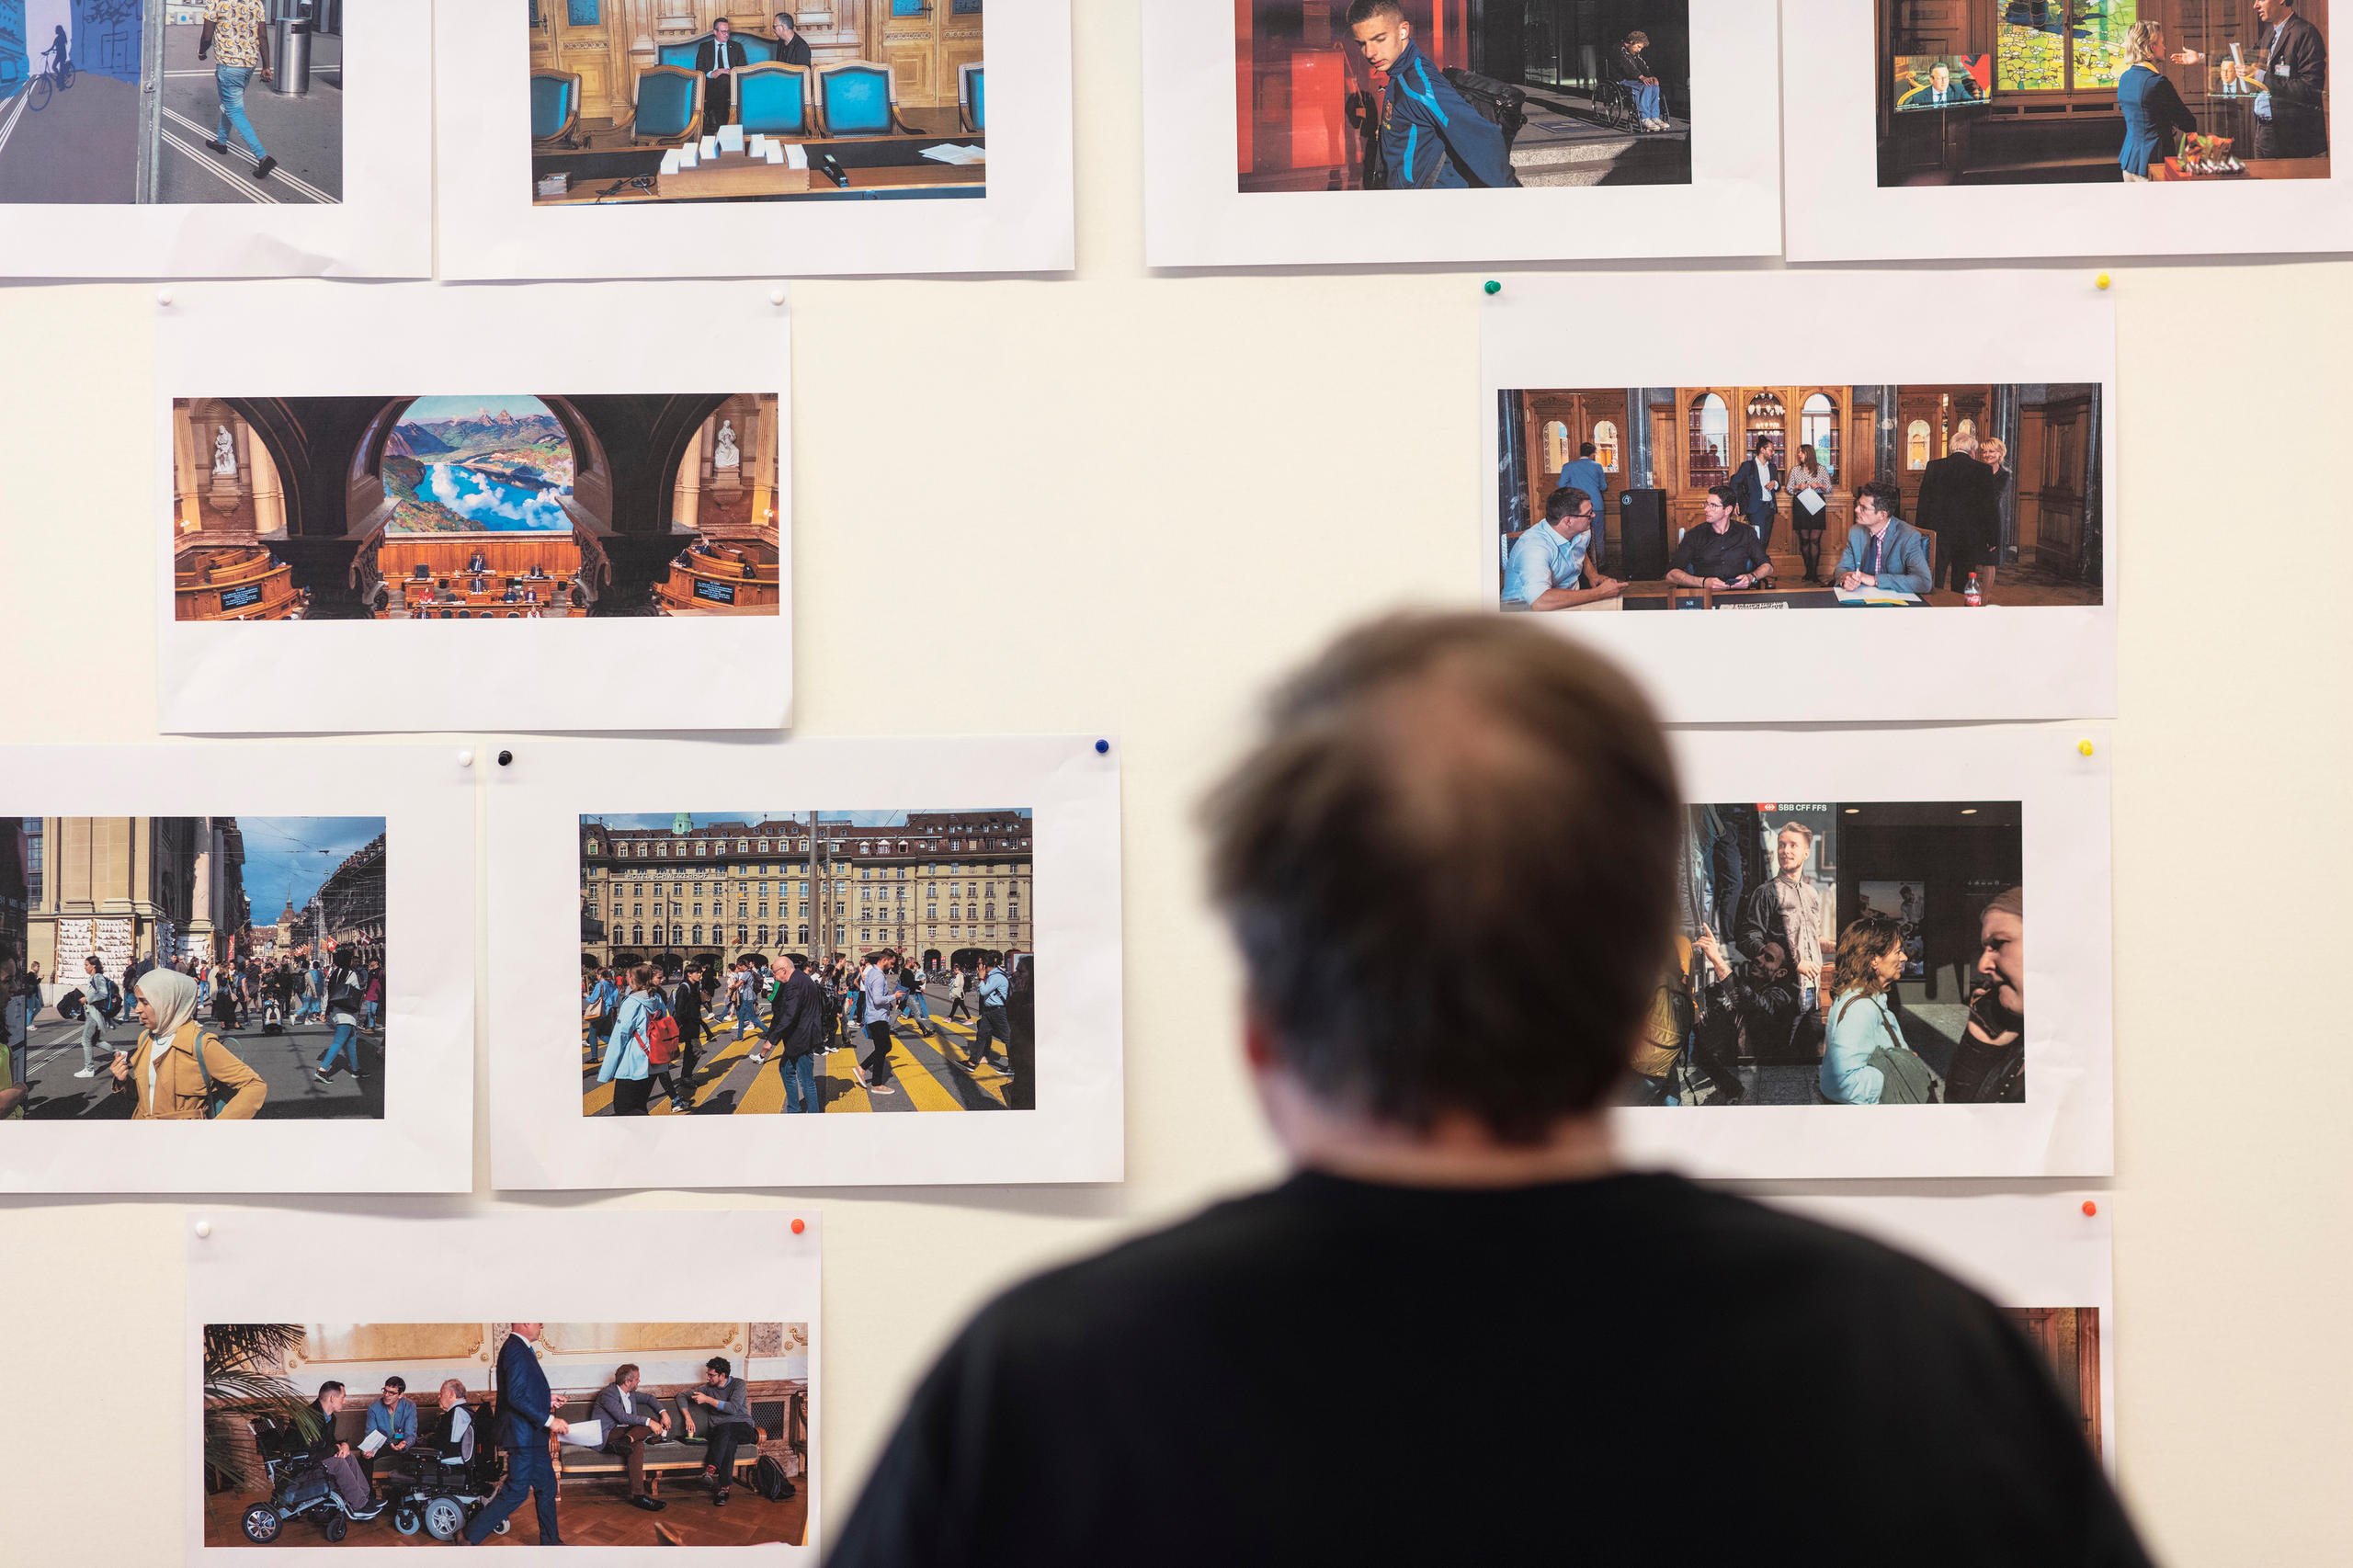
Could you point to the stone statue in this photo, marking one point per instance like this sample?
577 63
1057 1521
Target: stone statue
726 456
225 452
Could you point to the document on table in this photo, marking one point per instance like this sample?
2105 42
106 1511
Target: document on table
1812 500
1876 597
952 153
586 1435
372 1442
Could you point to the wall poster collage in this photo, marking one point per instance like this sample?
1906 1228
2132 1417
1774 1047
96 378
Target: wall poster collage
534 368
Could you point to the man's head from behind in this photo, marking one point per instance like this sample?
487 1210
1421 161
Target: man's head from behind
1382 31
1449 870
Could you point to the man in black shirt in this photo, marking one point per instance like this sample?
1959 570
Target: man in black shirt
1459 1333
790 47
1722 552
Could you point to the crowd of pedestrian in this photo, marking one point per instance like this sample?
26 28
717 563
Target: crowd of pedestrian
647 1027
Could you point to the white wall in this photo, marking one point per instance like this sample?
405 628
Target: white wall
1127 502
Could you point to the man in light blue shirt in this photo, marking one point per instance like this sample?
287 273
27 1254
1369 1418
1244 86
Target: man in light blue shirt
394 1415
1583 473
1550 566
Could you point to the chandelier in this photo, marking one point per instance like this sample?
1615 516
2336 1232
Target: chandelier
1766 405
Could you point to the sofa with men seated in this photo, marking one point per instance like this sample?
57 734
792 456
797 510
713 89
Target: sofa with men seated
779 1410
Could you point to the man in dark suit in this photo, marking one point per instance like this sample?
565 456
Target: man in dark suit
717 60
1954 490
1758 486
2295 79
526 1416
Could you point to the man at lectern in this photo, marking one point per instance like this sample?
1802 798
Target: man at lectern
1465 1330
717 59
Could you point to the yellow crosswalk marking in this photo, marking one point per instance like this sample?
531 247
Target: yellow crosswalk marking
763 1095
915 1080
842 1092
599 1100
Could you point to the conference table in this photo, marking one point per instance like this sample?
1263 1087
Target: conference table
609 171
1659 595
2256 168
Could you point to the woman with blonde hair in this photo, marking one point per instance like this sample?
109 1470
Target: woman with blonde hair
2153 112
1864 1060
164 1073
1993 452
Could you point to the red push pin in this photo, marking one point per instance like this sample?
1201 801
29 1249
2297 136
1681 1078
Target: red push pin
800 1225
2089 1208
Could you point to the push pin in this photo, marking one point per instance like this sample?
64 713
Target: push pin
2103 279
506 759
799 1226
203 1229
465 759
2084 746
775 296
163 296
1102 748
2090 1208
1493 286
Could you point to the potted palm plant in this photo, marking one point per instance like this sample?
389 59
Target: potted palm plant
242 1379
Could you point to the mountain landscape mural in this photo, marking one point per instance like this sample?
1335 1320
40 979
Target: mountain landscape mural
478 464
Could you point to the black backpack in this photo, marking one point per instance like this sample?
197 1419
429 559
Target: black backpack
1502 105
769 1480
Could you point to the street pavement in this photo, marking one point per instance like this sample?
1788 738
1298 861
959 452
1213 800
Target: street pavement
726 1082
284 1061
304 134
83 146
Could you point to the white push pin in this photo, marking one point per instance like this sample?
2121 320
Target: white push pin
466 758
203 1229
163 296
776 297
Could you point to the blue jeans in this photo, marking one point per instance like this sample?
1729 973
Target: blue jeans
529 1470
747 1014
230 80
345 1035
801 1084
1646 100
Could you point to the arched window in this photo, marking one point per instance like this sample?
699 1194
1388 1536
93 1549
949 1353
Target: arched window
1605 445
1709 438
1557 452
1818 429
1915 444
637 935
804 936
697 936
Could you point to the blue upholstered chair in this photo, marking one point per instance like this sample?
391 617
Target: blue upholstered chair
669 106
555 109
859 97
755 49
772 99
973 95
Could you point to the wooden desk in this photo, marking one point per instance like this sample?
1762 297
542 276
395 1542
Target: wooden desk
2256 168
871 164
1660 595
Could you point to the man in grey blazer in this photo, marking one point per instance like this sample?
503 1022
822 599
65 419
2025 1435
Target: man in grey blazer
1882 550
631 1421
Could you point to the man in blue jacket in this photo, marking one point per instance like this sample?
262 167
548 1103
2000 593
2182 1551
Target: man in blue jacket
1431 139
526 1416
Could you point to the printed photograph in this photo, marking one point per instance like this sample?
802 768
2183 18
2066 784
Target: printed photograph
714 101
1436 95
791 962
559 1434
2055 92
2069 1340
192 969
474 507
172 102
1843 953
1800 497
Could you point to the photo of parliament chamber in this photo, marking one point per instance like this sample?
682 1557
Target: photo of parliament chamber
1657 452
471 508
720 101
2048 92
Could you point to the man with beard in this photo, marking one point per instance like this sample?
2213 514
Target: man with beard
1788 910
1989 1065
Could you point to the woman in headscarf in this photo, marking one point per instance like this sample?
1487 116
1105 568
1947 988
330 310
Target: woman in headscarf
161 1072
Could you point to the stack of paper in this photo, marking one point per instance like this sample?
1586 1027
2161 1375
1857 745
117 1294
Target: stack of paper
730 139
795 155
687 157
951 153
710 146
670 164
556 185
1876 597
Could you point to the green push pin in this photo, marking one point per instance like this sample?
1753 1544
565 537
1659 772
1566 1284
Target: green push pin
1493 286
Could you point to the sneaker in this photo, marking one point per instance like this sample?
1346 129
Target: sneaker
88 1072
267 164
881 1089
963 1066
719 1499
651 1504
217 146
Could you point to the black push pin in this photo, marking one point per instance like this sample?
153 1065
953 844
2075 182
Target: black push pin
506 759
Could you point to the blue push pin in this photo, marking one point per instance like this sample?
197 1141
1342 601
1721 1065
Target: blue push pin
1102 748
1493 286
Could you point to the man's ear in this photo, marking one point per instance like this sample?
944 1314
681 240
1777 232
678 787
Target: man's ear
1257 1038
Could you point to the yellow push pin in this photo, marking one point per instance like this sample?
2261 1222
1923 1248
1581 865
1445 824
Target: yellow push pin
2084 746
2103 281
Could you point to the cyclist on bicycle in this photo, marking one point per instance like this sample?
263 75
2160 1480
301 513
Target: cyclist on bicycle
59 50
